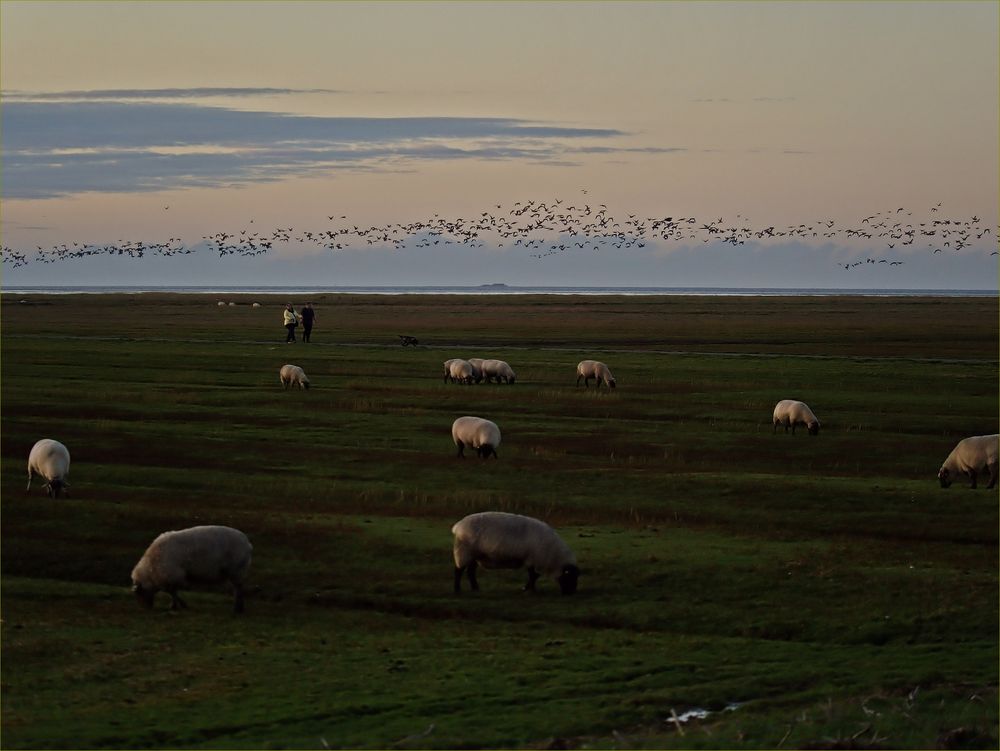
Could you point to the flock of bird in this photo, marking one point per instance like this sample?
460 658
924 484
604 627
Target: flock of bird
547 228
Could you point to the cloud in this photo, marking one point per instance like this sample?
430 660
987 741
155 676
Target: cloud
60 148
130 94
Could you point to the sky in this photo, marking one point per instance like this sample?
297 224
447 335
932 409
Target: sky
167 123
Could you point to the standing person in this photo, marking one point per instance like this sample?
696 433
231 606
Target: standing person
291 321
307 314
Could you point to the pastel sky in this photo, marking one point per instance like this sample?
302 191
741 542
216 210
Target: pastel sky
169 122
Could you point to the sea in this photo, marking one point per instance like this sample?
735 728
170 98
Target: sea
499 289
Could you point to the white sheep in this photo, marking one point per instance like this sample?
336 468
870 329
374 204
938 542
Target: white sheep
970 457
293 375
255 305
475 432
588 369
498 369
457 369
789 412
477 368
49 460
199 555
222 304
500 540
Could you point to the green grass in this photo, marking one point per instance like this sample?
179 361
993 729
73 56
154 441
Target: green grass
825 586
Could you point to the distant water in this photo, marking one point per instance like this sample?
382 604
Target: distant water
498 289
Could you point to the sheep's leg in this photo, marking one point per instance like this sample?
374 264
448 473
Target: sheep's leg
237 597
472 576
29 482
461 450
994 470
578 380
176 602
458 578
972 476
532 578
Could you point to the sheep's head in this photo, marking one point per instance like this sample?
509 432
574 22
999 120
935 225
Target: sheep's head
144 596
813 427
305 384
611 382
55 487
944 477
567 579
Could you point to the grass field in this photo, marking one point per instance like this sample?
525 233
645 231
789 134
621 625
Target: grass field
805 592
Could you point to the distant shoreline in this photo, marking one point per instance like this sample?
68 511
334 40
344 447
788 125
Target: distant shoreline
494 289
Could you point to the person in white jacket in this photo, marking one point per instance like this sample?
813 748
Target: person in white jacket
291 321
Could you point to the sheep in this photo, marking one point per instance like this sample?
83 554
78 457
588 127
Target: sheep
498 369
791 412
198 555
482 435
222 304
972 456
49 459
477 368
500 540
588 369
255 305
458 369
293 375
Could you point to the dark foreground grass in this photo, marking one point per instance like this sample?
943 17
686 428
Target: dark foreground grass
805 592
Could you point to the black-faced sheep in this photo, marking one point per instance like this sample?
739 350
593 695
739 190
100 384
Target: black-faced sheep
293 375
789 412
475 432
970 457
500 540
49 460
199 555
588 369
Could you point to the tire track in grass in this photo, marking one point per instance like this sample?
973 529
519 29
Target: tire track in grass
516 347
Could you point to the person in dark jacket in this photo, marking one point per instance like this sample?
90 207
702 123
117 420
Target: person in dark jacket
307 314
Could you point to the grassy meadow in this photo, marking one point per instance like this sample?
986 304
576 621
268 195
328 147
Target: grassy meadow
804 592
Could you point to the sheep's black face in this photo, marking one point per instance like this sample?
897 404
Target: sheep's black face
944 477
611 383
813 428
567 579
144 596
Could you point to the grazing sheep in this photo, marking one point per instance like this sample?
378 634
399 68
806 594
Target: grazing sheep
222 304
972 456
293 375
460 370
199 555
480 434
498 369
588 369
255 305
477 368
49 459
500 540
789 412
